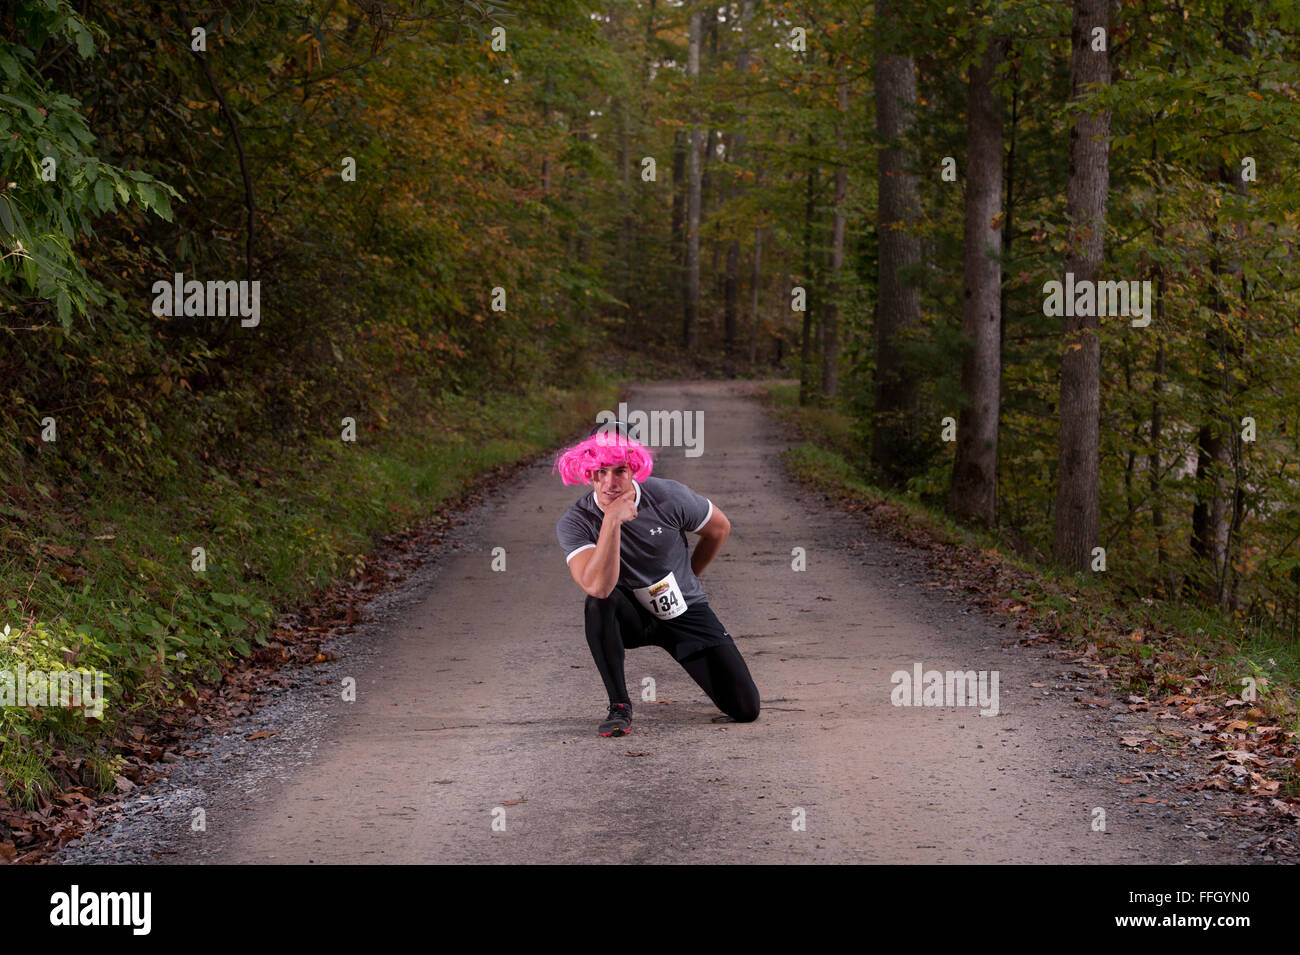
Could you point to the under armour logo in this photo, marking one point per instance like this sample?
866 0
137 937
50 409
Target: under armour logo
657 530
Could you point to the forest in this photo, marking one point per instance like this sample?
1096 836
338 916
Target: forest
1039 255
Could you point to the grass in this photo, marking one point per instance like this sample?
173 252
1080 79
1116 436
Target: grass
1153 647
162 587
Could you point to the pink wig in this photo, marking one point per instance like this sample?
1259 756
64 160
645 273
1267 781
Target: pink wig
602 450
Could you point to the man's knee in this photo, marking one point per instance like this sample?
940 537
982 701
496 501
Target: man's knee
746 712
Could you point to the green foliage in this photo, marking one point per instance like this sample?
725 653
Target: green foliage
158 629
376 305
54 186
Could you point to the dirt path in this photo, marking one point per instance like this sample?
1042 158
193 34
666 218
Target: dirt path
476 693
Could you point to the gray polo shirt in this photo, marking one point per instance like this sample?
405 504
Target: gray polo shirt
652 545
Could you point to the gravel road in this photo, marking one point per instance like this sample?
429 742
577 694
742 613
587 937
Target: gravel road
472 736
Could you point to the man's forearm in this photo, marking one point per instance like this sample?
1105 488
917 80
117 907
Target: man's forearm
602 572
704 552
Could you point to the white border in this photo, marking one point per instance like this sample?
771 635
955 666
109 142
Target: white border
706 517
578 551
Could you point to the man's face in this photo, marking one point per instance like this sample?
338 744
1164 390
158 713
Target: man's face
611 482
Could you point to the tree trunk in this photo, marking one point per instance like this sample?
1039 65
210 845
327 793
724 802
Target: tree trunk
546 123
714 195
730 295
681 188
708 201
1153 457
648 64
1216 514
690 320
755 280
582 232
1217 440
782 306
627 225
1009 207
734 150
805 341
831 319
898 302
975 472
1154 478
1078 487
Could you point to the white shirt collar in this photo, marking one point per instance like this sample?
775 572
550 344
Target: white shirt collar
596 498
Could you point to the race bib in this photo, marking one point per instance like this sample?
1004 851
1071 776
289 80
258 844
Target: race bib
663 598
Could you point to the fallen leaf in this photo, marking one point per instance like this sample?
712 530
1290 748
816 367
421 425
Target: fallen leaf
1281 806
1239 756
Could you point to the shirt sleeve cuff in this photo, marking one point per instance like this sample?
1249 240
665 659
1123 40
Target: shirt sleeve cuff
706 518
578 551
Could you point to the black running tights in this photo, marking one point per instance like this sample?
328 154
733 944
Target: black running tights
720 671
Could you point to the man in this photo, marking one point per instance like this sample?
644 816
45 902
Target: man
625 544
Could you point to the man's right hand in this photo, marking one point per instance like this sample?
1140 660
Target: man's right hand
624 507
